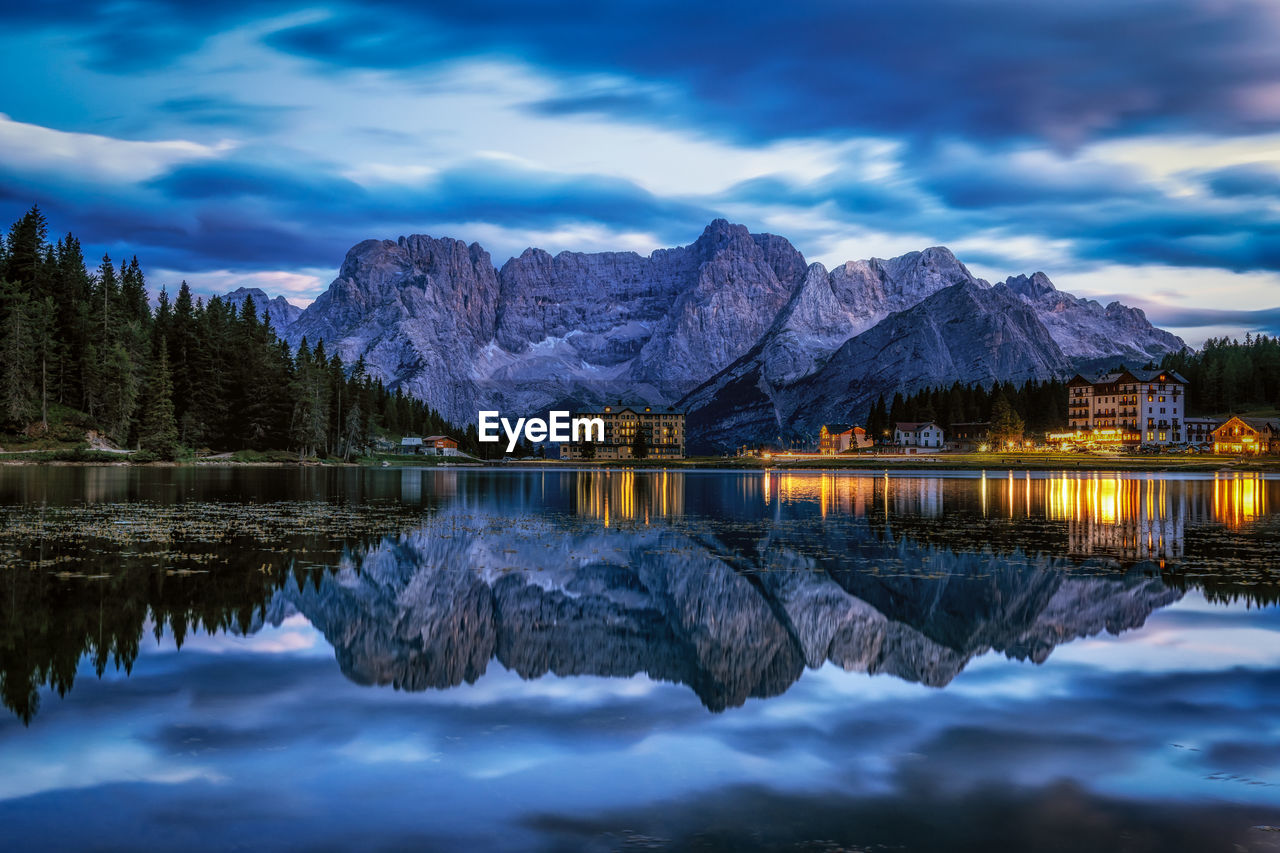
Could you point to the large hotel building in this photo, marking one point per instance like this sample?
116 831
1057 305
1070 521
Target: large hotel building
662 428
1128 407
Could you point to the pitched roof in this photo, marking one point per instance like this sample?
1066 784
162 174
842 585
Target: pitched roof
836 429
914 426
1258 424
409 441
1141 376
638 408
439 437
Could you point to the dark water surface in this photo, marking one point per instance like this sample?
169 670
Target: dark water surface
269 659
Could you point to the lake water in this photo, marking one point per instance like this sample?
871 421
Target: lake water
254 658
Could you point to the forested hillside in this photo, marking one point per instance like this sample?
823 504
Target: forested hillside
1229 376
1041 406
84 349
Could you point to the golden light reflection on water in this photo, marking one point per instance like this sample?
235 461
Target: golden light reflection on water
1109 514
619 495
1238 499
1136 517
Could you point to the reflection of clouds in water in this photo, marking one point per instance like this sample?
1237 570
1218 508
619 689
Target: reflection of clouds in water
293 635
90 761
1109 730
1167 644
409 750
1113 736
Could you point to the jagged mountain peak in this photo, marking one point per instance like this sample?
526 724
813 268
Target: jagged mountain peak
1089 334
279 311
1032 287
967 332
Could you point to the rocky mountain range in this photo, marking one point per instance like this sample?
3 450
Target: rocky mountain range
431 608
1090 335
279 311
736 328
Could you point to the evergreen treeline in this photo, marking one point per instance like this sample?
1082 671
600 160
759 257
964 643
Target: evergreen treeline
187 373
1230 376
1040 406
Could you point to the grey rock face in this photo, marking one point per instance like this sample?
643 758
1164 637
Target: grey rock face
278 311
434 317
832 307
966 332
747 401
1090 335
418 310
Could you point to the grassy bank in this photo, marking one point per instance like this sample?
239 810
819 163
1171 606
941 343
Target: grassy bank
955 462
864 462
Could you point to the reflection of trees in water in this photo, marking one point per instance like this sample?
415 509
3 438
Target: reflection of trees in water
50 622
79 583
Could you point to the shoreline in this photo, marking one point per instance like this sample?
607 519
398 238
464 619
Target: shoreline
939 463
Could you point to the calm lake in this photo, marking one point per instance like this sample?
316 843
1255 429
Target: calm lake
474 659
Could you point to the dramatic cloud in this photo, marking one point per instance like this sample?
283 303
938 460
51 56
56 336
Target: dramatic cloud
986 70
267 138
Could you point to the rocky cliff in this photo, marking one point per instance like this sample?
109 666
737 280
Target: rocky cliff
967 332
433 316
1090 335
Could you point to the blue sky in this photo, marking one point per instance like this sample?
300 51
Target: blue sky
1127 149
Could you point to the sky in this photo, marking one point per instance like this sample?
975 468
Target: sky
1129 150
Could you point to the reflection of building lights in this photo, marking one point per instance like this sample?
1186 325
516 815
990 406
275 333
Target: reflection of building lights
625 495
1130 519
1239 499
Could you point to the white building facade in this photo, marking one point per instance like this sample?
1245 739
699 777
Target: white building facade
1129 407
924 435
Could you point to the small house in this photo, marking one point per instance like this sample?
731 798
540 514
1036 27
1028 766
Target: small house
924 436
1199 431
440 445
1247 436
834 438
839 438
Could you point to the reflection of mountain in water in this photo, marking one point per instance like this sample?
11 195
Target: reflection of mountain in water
730 582
431 608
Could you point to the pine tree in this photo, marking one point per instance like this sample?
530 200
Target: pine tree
1006 425
25 252
158 432
17 347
